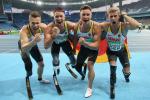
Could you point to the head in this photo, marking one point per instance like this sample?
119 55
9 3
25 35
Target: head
59 15
85 13
113 14
34 20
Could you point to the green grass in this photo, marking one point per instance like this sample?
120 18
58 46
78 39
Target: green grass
12 32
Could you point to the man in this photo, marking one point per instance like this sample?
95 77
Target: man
57 36
115 32
87 34
30 35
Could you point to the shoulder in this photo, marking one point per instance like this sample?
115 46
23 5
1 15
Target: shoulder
43 25
24 29
50 25
95 23
76 25
104 24
70 24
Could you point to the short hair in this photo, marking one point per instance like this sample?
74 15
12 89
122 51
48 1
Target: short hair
113 9
34 14
58 9
84 7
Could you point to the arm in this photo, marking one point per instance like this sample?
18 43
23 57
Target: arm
50 34
103 26
131 22
43 26
47 37
70 26
26 45
97 34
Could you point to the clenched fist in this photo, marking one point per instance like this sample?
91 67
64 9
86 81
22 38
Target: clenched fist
81 40
55 32
37 37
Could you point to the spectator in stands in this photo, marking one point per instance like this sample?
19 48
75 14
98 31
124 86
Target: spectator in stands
115 33
30 35
87 35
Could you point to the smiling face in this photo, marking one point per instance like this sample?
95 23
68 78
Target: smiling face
85 15
59 17
34 22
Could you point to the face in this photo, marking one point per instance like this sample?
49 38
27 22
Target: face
59 17
34 22
114 17
85 15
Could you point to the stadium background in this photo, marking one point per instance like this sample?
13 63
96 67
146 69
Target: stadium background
14 13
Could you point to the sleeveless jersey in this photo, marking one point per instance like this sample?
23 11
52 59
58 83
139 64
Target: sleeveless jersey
88 36
62 37
115 41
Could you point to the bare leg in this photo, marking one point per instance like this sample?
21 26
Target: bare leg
40 70
126 72
91 75
40 73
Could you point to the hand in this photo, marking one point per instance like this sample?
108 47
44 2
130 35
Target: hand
55 32
81 40
37 37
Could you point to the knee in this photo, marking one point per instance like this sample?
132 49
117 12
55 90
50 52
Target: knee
126 65
113 69
41 64
90 65
28 64
55 62
112 63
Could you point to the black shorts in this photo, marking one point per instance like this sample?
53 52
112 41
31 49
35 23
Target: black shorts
66 47
85 53
35 53
121 54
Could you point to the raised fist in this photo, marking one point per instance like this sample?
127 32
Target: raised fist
37 37
55 31
81 40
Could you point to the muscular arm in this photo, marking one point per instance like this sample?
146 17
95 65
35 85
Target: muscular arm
97 34
103 26
47 36
131 22
43 26
70 26
71 30
26 45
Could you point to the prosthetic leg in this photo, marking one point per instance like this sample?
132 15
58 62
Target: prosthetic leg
126 76
112 81
28 87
